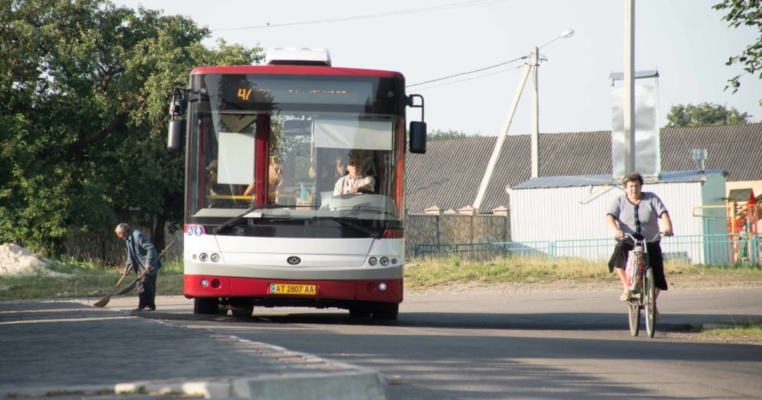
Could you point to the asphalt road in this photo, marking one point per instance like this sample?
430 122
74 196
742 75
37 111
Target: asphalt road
540 345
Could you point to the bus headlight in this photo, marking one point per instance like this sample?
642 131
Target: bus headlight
373 261
203 257
214 257
384 261
381 286
204 283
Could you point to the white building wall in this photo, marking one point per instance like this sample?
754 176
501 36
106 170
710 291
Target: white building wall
557 214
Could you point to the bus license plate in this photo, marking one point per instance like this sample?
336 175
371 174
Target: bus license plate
287 288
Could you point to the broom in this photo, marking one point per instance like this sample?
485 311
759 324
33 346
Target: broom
135 283
102 302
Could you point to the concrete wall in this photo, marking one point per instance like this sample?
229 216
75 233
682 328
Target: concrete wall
454 228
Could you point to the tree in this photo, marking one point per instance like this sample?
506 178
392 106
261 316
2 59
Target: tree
84 91
704 114
448 134
749 13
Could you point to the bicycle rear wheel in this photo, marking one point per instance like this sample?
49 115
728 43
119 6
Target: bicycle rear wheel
634 314
650 302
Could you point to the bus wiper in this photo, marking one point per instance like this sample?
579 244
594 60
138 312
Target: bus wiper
344 222
238 218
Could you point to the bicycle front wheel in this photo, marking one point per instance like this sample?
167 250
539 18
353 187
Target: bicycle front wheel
650 302
634 314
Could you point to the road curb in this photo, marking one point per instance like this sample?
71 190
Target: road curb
364 385
352 385
57 391
349 382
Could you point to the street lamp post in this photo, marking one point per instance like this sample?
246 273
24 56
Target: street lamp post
531 66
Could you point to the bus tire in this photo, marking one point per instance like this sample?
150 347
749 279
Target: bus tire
359 312
205 306
386 311
242 310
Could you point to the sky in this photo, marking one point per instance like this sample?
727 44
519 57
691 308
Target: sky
685 40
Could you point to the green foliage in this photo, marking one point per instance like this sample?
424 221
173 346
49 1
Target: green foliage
748 13
704 114
448 134
84 90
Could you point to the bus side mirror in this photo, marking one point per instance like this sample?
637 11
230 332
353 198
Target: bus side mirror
417 128
418 137
175 136
176 120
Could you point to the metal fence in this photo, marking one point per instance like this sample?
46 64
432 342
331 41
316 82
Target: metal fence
715 249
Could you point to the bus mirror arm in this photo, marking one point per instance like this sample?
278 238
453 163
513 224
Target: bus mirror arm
179 102
410 102
177 119
417 128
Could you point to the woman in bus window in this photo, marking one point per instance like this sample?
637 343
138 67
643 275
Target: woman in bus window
274 181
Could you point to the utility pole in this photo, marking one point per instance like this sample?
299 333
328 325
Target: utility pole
629 86
530 67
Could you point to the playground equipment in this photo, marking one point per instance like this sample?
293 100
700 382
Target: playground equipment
742 215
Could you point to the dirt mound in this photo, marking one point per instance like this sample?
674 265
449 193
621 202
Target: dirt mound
18 261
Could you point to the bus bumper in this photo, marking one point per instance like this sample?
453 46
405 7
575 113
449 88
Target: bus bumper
379 290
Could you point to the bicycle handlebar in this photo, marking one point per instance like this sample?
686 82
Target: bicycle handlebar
655 238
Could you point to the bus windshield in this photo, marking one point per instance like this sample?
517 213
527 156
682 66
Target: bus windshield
332 147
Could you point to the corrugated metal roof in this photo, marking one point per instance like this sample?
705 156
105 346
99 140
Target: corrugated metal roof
600 180
450 172
734 148
449 175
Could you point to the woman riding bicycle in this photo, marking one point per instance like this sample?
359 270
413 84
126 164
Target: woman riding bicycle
638 214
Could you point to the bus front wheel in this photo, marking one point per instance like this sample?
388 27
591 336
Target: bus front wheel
386 311
205 306
359 312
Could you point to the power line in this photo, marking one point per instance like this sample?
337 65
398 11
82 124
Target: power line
393 13
378 15
465 80
470 72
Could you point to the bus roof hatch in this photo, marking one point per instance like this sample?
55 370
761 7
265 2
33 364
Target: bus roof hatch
298 56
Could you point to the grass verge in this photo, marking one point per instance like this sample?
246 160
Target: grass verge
435 273
743 330
83 280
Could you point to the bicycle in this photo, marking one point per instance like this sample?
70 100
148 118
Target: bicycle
640 281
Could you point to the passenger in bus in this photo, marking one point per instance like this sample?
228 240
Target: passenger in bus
341 168
327 179
215 188
355 181
275 179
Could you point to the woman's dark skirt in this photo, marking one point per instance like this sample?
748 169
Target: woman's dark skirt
619 260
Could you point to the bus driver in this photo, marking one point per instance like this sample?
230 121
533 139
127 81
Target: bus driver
355 181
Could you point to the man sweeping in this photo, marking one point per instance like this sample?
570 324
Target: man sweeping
141 255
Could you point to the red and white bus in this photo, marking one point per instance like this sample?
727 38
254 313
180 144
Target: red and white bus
254 237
